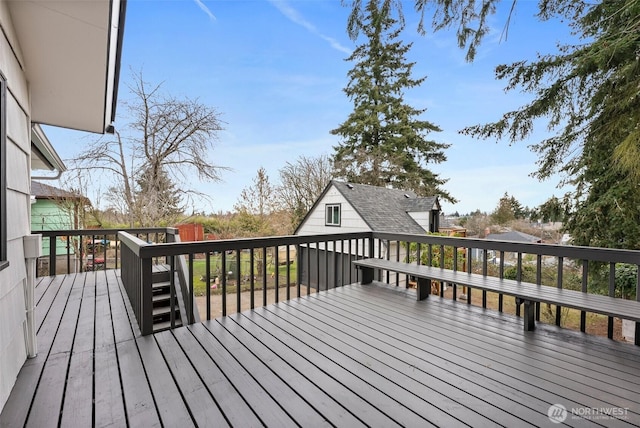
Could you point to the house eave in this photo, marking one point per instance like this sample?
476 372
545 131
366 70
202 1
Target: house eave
70 53
43 155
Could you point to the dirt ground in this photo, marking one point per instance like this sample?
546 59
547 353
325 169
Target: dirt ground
596 324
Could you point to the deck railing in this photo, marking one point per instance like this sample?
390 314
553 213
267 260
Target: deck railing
259 266
586 269
302 264
80 250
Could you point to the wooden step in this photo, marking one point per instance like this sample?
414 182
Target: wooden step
161 287
159 299
160 273
165 311
165 325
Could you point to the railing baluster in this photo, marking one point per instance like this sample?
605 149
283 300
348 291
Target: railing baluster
519 278
52 255
351 257
485 255
264 276
223 280
68 245
238 282
469 270
585 279
318 266
501 296
340 261
539 282
252 279
308 247
559 283
298 269
612 293
192 301
288 279
117 244
276 273
326 264
207 277
397 259
455 269
172 292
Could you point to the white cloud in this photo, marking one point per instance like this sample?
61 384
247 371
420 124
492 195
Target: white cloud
205 9
295 17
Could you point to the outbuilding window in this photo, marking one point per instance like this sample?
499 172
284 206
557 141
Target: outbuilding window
332 216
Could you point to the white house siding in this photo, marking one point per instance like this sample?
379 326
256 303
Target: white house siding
13 278
350 220
422 218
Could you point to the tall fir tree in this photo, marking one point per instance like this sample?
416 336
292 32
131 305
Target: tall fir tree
384 140
157 199
587 93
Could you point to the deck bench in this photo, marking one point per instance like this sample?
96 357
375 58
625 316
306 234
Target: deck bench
526 292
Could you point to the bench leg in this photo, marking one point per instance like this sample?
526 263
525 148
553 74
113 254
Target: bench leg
424 288
367 275
529 315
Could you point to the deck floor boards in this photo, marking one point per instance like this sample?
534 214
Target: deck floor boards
535 366
354 356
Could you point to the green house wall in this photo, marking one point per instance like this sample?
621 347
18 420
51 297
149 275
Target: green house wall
47 215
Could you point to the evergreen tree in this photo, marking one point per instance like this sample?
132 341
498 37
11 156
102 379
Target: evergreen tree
587 93
384 140
551 210
504 213
157 199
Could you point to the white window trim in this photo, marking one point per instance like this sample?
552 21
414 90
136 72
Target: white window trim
328 220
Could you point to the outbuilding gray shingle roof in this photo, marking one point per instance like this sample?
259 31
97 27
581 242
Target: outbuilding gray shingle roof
386 210
44 191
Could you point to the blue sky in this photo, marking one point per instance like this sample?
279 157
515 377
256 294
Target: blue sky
275 71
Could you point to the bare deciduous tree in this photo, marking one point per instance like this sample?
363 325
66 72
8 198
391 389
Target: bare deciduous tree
166 141
302 182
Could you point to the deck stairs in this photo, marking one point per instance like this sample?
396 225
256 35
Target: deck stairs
161 284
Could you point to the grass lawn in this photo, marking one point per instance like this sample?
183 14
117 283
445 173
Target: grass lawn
199 271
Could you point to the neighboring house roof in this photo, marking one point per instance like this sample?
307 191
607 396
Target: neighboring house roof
44 191
514 236
382 209
446 225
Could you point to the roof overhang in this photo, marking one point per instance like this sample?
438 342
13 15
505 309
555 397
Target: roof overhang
71 53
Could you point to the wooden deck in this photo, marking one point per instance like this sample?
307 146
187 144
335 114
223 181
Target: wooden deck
354 356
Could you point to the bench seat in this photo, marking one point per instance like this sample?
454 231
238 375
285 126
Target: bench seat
528 292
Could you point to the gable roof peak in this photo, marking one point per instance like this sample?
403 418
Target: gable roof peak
386 209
